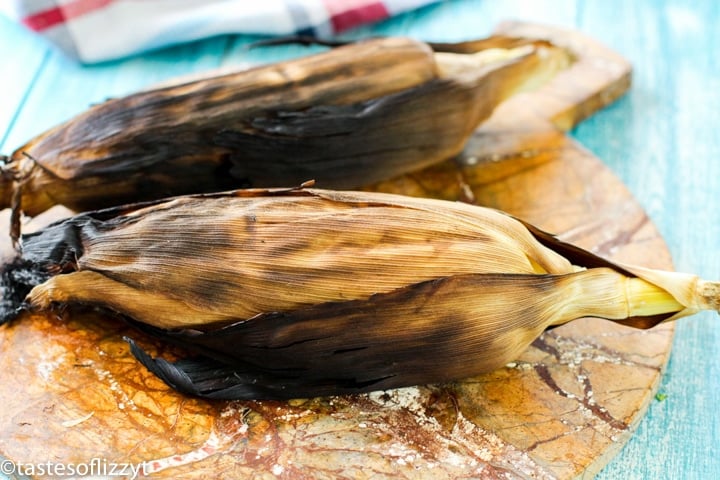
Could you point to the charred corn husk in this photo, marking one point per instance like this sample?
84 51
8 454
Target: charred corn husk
296 293
346 118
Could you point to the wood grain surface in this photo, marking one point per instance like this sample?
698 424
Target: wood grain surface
659 139
74 392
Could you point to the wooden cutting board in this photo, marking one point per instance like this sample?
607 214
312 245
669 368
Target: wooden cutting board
71 392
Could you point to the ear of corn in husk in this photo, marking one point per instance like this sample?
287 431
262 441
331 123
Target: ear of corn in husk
296 293
348 117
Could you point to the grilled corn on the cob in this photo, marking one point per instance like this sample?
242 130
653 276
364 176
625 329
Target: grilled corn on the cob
348 117
293 293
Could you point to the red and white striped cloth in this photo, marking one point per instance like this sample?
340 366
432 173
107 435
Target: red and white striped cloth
98 30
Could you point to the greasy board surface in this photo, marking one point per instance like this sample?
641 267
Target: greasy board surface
71 392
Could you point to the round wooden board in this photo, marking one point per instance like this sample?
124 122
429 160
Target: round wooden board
567 404
72 393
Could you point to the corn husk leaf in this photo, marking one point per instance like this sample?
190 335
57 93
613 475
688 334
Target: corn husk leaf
289 293
348 117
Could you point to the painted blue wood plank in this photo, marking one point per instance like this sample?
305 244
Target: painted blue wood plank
469 19
661 142
22 56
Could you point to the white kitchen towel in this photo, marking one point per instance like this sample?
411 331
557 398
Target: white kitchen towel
99 30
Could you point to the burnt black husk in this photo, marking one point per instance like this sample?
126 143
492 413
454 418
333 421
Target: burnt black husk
327 348
17 278
44 254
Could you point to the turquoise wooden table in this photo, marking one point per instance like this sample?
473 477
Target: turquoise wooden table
660 139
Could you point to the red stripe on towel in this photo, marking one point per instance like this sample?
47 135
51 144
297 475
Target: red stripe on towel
45 19
346 14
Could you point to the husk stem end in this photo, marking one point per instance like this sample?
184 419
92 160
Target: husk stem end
708 294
